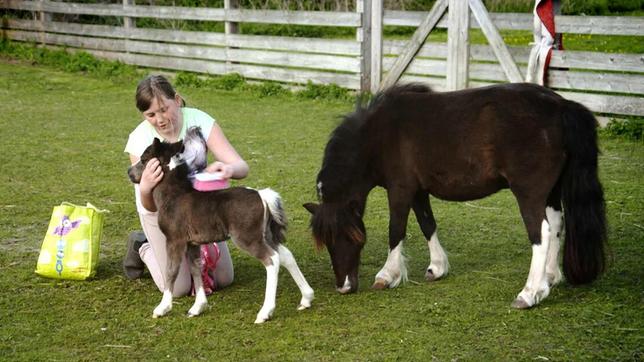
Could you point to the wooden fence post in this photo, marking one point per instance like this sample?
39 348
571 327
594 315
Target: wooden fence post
458 45
376 44
230 27
363 36
128 22
44 18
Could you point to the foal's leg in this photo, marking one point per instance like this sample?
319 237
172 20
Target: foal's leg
395 269
272 264
194 259
536 287
438 265
287 259
175 249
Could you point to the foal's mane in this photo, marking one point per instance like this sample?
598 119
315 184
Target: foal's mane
345 157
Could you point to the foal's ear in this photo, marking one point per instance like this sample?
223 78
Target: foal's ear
311 207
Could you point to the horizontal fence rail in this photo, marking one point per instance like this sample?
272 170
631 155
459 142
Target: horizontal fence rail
607 83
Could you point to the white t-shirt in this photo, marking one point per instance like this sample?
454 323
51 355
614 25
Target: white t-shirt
144 134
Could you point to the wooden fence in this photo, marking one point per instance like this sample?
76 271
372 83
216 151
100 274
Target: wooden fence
608 83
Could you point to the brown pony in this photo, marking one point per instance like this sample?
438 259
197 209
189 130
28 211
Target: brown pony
461 146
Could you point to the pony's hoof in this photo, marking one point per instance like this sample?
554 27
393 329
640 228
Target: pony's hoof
519 303
260 320
429 276
303 306
379 284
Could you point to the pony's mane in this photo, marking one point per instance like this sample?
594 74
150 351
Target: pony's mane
344 153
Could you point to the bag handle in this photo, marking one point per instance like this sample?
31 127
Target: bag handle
89 205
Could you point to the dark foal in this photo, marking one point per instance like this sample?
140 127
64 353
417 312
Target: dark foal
254 220
460 146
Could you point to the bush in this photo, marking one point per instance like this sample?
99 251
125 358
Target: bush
318 91
631 129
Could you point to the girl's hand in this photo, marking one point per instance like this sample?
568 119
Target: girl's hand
152 175
226 170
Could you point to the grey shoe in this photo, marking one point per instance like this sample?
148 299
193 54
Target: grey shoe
133 266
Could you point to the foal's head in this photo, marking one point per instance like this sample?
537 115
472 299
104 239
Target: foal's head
168 154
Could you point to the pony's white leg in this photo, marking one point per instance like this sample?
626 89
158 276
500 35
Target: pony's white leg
272 272
536 288
394 271
200 303
165 306
438 264
287 259
553 272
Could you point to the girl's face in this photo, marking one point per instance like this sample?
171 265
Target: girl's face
165 116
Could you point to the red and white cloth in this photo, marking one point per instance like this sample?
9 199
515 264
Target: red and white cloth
545 39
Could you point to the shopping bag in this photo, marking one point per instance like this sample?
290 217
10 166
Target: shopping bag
70 247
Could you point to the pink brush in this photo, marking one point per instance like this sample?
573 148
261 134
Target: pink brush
206 181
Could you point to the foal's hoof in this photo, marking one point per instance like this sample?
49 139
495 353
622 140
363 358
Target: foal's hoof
519 303
379 284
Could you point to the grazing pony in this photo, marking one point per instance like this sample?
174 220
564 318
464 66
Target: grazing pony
254 220
460 146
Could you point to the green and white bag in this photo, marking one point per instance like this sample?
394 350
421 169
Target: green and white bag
71 245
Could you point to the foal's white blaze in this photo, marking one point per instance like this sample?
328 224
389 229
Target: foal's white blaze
272 272
536 288
165 306
395 269
438 264
553 273
200 303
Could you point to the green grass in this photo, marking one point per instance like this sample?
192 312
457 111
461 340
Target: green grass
62 140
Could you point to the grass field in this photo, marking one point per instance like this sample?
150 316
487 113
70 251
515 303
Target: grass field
62 140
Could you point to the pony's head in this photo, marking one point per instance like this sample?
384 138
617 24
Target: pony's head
339 228
168 154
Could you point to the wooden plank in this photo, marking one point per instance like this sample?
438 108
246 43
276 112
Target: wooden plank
597 81
313 45
631 106
606 25
350 81
458 47
597 61
496 42
285 59
415 43
341 19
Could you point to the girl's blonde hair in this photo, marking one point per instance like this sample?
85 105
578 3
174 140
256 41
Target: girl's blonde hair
151 87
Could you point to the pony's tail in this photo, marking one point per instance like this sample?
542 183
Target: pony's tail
583 198
276 217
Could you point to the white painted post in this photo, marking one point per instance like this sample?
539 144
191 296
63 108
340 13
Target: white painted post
458 45
376 44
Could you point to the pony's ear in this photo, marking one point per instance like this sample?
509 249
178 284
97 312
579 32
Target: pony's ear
311 207
156 141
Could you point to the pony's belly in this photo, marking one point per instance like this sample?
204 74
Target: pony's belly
464 191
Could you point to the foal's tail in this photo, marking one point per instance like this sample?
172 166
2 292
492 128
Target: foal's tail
276 221
583 198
